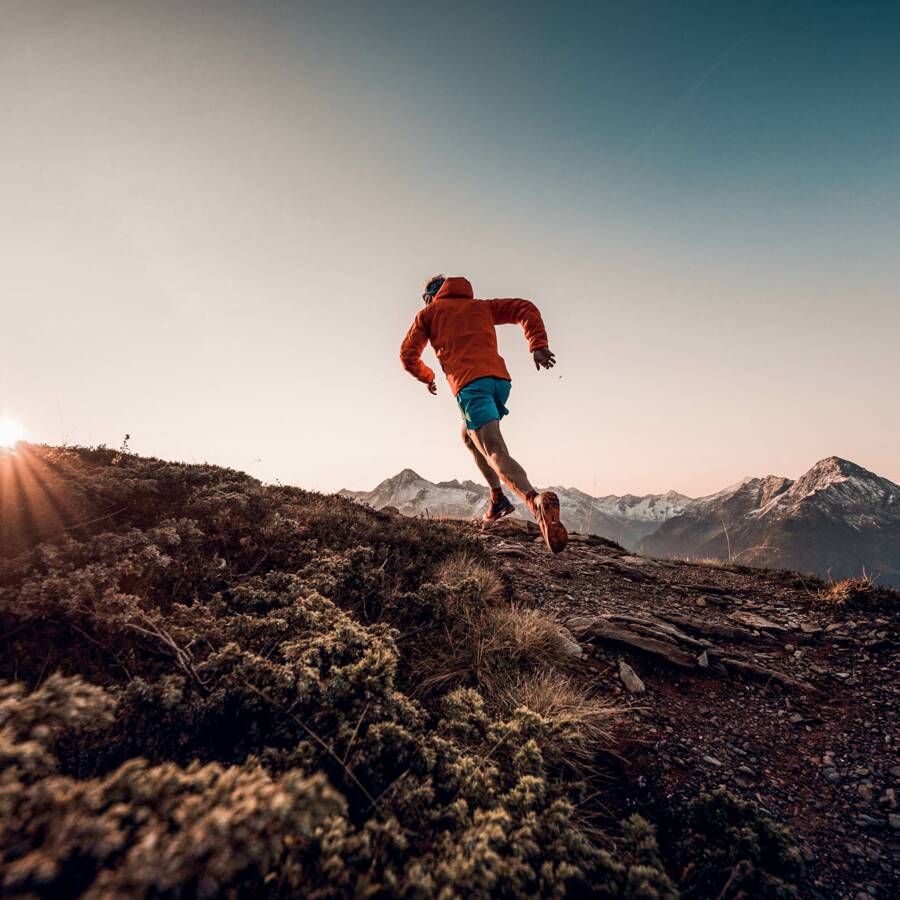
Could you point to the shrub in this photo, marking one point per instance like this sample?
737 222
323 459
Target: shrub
220 688
729 842
231 709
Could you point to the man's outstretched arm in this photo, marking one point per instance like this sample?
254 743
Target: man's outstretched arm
411 353
526 314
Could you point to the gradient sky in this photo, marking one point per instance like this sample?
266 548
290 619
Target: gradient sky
217 217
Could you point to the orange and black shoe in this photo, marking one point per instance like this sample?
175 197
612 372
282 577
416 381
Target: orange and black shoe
545 507
499 507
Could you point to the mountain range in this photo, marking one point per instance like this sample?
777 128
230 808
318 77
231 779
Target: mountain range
838 519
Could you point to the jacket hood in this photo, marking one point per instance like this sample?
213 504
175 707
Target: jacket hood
455 286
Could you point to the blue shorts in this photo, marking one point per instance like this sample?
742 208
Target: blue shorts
482 400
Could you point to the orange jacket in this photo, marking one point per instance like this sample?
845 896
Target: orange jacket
461 330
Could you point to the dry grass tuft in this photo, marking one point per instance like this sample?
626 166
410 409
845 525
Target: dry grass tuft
841 592
483 645
529 637
862 591
470 576
584 722
706 562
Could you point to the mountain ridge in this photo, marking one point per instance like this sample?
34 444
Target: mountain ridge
837 518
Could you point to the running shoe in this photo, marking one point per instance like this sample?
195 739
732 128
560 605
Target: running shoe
545 507
498 509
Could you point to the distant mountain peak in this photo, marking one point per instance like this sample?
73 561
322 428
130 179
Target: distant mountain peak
837 467
832 471
404 478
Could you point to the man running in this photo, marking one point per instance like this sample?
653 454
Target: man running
461 330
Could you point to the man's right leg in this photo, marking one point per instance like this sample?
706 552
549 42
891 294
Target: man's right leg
545 506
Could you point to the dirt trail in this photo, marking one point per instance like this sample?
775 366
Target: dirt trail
751 681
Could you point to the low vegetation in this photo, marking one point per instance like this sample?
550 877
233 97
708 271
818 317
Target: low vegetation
729 839
216 687
857 592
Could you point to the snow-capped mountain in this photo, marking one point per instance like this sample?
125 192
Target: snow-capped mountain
624 519
705 528
837 518
414 495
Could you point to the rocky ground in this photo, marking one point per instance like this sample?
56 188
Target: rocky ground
759 681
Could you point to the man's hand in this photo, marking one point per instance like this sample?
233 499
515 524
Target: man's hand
544 358
432 388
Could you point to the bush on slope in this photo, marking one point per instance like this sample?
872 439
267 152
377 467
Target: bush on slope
231 708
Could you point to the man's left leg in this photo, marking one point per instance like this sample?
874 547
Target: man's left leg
487 472
499 505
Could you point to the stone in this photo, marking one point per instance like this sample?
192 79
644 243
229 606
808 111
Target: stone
703 660
511 552
600 629
809 628
571 647
630 678
638 561
752 620
894 820
888 800
832 776
579 624
712 761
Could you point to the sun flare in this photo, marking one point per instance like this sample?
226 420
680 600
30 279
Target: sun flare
11 432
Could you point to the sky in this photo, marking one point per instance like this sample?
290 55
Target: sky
217 217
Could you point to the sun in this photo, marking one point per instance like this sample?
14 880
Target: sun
11 432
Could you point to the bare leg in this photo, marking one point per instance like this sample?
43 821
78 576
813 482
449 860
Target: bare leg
489 441
490 476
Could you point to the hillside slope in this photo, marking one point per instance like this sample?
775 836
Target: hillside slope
783 689
214 686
